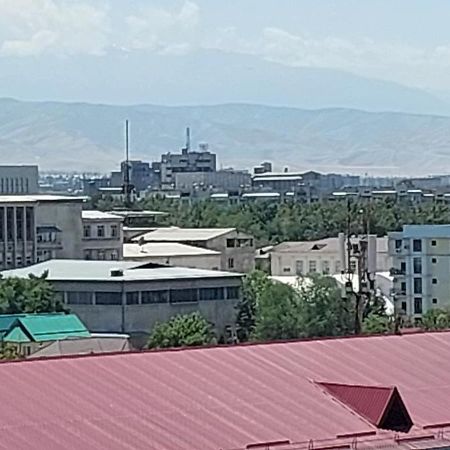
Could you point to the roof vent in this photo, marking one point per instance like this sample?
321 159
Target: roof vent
116 273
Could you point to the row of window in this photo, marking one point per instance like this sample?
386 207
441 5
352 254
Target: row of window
101 255
154 297
14 185
100 231
417 244
313 267
418 305
236 243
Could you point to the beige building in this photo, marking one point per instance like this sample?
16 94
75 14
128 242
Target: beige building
237 250
421 268
102 236
326 256
172 254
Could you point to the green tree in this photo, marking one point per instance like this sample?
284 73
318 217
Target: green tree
436 319
182 331
8 352
28 295
377 324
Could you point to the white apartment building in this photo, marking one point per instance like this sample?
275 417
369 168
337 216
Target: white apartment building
421 268
102 236
326 256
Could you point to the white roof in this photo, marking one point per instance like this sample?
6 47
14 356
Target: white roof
261 194
144 213
99 215
164 249
40 198
183 234
81 270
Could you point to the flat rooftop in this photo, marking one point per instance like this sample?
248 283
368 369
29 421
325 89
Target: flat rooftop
164 249
99 215
80 270
41 198
138 214
176 234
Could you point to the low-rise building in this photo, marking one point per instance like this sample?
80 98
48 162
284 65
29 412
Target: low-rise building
102 236
421 265
172 254
131 297
237 249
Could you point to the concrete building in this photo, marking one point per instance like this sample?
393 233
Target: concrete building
421 268
19 180
129 297
102 236
142 174
172 254
237 250
278 182
325 256
223 180
35 228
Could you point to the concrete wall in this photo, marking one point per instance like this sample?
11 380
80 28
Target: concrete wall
285 264
107 245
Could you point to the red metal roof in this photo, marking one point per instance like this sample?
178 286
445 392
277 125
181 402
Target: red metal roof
217 398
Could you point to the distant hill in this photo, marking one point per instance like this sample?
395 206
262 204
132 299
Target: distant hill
90 137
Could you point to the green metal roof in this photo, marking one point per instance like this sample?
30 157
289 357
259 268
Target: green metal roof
16 335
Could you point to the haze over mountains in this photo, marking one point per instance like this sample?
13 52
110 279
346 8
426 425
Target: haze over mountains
87 137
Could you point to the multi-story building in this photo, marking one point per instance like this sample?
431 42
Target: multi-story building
421 268
188 161
19 180
223 180
278 182
102 236
237 250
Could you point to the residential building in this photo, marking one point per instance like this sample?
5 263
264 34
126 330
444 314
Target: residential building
131 297
376 392
172 254
223 180
327 256
421 262
19 180
237 249
278 182
102 236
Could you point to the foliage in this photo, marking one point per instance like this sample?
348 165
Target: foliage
28 295
436 319
377 324
182 331
8 352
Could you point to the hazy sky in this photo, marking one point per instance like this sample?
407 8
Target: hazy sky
407 41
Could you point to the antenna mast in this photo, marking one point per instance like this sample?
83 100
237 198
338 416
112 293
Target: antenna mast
126 178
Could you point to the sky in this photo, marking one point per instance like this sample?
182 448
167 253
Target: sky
405 41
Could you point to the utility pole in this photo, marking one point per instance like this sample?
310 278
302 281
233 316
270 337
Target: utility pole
127 187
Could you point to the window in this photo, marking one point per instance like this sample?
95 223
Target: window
212 294
433 243
79 298
417 265
338 266
325 267
403 287
183 296
286 269
151 297
101 255
233 292
435 300
133 298
312 267
353 265
100 231
231 243
434 260
87 231
108 298
434 280
398 244
114 231
417 305
404 307
417 285
403 267
114 255
417 245
231 263
299 267
87 255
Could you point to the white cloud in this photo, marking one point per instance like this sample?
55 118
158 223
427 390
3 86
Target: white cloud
33 27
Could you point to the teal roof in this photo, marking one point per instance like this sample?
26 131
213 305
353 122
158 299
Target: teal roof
41 327
17 335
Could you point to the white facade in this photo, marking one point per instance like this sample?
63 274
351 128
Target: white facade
421 268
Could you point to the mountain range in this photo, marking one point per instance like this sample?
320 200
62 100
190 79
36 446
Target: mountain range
89 137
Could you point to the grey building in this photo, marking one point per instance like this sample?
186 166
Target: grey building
224 180
142 174
19 180
129 297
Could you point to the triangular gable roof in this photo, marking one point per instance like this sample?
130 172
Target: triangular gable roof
381 406
17 335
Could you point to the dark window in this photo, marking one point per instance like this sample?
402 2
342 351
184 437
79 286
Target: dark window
100 231
230 263
79 298
19 223
30 223
398 243
10 222
417 285
183 296
434 260
434 280
108 298
418 305
417 245
403 267
87 231
233 292
132 298
435 300
404 307
212 293
417 265
114 231
403 287
149 297
231 243
433 243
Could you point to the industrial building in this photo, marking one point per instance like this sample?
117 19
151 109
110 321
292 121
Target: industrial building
131 297
389 392
19 180
421 268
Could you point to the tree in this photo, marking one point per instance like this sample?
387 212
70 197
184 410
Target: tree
8 352
436 319
28 295
182 331
377 324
